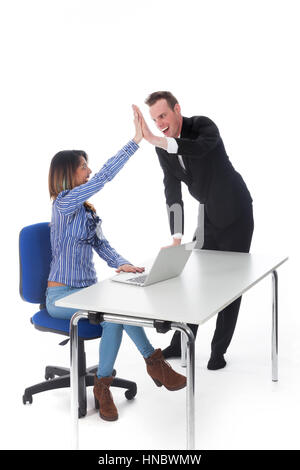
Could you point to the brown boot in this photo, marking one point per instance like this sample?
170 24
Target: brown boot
103 398
162 373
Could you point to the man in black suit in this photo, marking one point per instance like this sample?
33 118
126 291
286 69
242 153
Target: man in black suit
193 152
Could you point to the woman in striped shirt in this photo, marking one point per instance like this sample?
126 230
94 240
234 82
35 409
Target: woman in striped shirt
75 232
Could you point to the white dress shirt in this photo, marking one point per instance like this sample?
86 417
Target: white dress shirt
172 148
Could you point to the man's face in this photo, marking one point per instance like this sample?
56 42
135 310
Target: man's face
168 121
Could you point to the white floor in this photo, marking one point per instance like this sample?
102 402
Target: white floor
238 407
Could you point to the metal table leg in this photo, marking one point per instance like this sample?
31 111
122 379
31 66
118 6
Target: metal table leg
183 349
274 326
74 374
190 379
143 322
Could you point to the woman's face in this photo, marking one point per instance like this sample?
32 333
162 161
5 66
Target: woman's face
82 173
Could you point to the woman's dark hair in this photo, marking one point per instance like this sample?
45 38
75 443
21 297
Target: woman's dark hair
62 171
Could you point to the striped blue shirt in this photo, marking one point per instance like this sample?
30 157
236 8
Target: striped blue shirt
75 231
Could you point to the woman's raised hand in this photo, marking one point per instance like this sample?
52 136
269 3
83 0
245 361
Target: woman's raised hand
138 126
147 134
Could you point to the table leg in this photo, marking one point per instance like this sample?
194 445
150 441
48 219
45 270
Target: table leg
74 374
274 326
190 376
183 349
190 389
189 340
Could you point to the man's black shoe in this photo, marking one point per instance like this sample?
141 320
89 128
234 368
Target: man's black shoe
171 352
216 362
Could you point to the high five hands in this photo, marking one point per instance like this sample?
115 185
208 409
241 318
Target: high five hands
146 133
138 127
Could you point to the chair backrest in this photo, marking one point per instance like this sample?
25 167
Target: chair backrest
35 259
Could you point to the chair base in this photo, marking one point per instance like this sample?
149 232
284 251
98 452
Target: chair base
59 377
63 381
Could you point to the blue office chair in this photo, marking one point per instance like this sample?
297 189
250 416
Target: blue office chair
35 258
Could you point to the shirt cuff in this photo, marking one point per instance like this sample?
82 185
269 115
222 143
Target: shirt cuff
120 261
172 145
133 145
177 235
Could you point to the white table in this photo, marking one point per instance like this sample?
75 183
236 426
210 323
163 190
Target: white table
210 281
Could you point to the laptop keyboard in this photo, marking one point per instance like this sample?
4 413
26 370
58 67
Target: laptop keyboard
138 279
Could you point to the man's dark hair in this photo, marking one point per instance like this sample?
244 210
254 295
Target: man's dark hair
159 95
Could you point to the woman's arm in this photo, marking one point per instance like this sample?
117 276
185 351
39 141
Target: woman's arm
69 201
112 258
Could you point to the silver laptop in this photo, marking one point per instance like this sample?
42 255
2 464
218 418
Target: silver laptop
169 263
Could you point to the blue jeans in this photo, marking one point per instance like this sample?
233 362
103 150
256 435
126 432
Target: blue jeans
111 332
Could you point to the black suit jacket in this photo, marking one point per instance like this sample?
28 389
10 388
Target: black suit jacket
210 176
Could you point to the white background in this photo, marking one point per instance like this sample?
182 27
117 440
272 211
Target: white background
70 71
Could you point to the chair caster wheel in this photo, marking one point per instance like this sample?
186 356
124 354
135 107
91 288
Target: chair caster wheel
49 376
130 394
27 399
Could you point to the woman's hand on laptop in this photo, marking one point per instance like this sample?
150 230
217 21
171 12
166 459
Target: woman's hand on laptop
128 268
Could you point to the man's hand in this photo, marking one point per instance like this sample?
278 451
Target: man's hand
176 242
128 268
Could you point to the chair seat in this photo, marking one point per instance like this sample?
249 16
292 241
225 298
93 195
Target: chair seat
43 321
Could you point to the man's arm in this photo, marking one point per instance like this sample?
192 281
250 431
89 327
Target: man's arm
200 146
206 133
206 139
174 201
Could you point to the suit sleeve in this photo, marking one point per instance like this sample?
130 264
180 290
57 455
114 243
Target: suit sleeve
206 138
173 196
